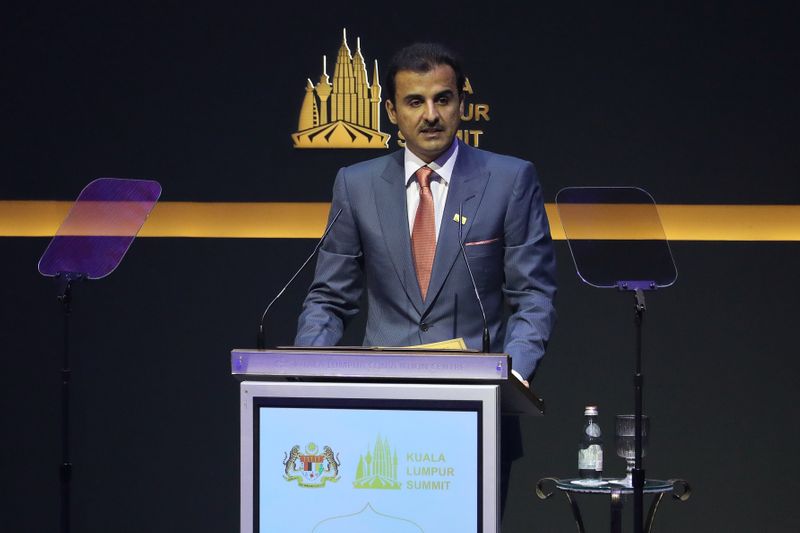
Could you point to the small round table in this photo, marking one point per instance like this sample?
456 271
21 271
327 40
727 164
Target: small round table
616 491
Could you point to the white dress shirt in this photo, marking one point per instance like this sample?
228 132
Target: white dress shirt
443 167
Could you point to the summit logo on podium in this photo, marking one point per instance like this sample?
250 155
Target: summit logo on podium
345 113
378 469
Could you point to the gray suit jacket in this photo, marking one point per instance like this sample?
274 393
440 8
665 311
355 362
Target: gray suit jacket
508 244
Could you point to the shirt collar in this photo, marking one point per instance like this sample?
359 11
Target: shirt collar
442 165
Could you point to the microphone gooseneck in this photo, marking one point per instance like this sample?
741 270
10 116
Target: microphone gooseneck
485 348
260 340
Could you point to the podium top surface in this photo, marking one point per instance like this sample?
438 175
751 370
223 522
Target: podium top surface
368 363
393 364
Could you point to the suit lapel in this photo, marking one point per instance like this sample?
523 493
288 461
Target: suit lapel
467 185
390 199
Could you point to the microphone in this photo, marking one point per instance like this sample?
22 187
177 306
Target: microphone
260 339
486 343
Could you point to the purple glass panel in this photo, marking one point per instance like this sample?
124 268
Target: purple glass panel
100 227
616 237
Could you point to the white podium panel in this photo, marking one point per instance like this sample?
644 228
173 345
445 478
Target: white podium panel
331 457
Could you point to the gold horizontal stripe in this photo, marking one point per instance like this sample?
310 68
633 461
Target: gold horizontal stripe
276 220
306 220
606 221
106 218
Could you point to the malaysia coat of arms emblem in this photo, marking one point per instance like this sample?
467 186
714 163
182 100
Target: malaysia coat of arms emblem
311 468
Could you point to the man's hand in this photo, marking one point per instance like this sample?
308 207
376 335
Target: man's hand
523 381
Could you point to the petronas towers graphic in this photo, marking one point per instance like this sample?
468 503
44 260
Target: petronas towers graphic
345 113
377 470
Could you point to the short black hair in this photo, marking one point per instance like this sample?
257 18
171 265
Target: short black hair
423 57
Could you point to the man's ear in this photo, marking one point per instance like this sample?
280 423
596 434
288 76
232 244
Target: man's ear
392 114
461 105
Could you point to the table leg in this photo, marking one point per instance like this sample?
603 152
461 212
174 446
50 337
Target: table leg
576 513
680 491
651 513
616 512
544 494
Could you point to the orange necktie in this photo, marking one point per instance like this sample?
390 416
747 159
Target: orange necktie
423 237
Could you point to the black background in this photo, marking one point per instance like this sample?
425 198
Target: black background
694 101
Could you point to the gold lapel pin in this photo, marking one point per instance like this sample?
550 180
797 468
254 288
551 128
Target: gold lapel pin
463 219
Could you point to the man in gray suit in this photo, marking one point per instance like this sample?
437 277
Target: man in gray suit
398 230
397 235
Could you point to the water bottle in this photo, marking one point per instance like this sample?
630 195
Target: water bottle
590 453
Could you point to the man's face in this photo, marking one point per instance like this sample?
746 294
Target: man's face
427 110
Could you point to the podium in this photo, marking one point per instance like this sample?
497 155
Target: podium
391 440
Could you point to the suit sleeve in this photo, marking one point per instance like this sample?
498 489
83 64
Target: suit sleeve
333 297
529 265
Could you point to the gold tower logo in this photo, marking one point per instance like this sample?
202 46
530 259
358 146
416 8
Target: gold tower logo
378 470
345 113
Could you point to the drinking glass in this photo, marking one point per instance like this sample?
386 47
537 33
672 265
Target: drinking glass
625 441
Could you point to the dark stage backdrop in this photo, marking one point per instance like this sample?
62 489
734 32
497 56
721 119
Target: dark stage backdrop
695 102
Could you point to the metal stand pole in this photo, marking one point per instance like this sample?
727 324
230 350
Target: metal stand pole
638 381
65 299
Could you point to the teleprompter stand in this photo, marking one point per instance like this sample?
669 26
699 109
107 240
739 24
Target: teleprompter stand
90 244
617 241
